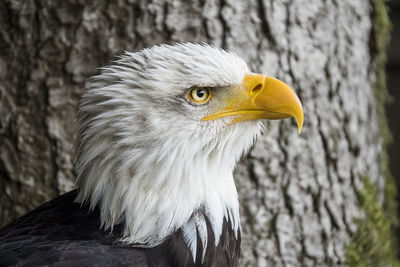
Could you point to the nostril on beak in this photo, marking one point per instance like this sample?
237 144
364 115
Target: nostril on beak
256 89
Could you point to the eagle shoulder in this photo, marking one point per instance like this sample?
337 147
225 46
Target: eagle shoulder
62 232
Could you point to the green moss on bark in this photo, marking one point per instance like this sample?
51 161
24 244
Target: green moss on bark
372 245
381 31
374 242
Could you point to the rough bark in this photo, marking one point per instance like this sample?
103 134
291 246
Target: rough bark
297 193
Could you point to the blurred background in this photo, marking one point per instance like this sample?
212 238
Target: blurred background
393 106
393 81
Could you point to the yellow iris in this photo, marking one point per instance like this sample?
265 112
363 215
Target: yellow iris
199 95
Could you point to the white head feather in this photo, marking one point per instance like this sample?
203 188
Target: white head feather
144 156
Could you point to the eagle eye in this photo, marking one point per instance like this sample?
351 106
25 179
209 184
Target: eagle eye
199 95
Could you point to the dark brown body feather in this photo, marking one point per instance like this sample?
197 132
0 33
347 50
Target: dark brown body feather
62 233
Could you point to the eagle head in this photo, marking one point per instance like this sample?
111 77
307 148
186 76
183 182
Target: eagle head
159 133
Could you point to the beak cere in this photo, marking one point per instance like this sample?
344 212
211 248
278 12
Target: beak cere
261 97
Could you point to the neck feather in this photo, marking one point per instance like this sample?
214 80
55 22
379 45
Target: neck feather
157 191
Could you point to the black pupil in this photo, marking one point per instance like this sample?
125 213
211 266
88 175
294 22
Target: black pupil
200 93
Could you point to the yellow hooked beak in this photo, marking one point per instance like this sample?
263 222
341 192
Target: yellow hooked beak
261 97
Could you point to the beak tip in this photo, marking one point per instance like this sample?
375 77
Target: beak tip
300 128
300 120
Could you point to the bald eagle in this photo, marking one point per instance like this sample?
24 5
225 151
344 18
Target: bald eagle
158 135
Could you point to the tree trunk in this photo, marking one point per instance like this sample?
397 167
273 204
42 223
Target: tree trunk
298 193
